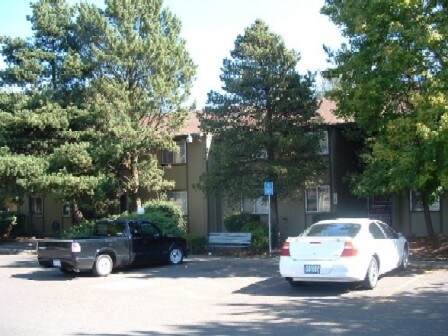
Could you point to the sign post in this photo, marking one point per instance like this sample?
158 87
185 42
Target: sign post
269 191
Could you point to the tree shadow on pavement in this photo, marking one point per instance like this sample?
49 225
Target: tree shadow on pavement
411 314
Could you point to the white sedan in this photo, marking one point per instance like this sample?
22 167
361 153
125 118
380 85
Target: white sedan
344 250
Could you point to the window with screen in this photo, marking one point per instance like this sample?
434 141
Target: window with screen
176 157
318 199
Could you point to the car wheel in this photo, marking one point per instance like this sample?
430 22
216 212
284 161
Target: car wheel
103 265
372 275
405 259
176 256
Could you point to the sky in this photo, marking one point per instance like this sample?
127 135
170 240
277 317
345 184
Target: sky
210 28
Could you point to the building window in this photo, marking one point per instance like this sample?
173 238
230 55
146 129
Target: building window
323 143
66 210
176 157
417 204
318 199
36 205
181 198
257 206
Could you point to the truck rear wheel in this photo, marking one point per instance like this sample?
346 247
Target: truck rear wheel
176 255
103 265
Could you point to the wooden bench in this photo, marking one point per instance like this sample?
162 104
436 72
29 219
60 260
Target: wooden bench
229 240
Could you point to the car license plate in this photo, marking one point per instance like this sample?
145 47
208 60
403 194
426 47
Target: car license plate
312 269
56 263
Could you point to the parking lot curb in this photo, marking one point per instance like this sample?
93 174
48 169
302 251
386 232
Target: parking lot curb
429 264
29 248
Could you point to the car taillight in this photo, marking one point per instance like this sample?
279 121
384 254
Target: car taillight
76 247
349 250
285 250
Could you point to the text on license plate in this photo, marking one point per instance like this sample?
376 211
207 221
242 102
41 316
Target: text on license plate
312 269
56 263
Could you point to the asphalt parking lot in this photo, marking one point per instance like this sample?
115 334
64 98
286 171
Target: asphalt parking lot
215 296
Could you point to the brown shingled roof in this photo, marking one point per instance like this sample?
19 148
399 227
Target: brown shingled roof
325 111
191 125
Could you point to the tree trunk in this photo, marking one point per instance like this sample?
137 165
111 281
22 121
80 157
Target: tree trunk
135 185
77 215
134 202
9 228
428 221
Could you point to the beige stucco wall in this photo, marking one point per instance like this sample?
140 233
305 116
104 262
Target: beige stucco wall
185 177
197 202
45 224
291 216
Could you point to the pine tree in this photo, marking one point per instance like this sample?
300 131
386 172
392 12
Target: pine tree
263 123
100 95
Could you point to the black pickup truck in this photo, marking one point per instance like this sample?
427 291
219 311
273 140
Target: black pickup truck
114 244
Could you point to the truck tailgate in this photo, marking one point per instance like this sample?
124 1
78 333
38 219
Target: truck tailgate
54 249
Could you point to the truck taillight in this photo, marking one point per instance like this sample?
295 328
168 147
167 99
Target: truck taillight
76 247
285 250
349 250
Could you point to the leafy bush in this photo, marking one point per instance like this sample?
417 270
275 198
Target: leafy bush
235 222
260 235
165 214
196 243
84 229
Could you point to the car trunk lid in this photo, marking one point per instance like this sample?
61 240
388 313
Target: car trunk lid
316 248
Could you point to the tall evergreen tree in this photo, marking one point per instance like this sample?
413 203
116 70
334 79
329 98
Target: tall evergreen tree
141 75
263 122
392 78
101 95
41 118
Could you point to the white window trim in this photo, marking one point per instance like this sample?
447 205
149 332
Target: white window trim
66 206
432 207
257 206
319 208
33 207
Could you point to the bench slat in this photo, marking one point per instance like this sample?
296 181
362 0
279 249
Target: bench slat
230 239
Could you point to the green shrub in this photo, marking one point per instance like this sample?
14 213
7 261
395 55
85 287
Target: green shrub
167 215
235 222
260 236
196 243
84 229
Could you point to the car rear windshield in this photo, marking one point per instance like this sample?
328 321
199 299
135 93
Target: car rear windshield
332 230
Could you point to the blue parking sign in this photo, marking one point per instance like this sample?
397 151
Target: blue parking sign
269 188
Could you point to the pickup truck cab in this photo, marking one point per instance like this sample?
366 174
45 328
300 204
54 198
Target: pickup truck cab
114 244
